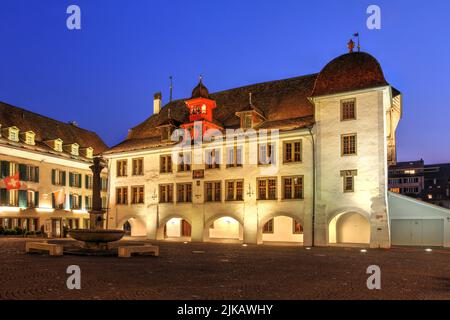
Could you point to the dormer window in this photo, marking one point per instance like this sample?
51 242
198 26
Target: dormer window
74 149
166 133
58 145
13 134
247 122
29 138
89 153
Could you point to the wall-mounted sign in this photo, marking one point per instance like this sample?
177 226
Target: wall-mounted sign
198 174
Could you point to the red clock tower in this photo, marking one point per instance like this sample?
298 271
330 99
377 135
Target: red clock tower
201 108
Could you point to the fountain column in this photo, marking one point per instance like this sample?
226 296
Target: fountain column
97 212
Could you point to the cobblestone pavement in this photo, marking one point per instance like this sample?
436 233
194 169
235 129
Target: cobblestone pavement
228 271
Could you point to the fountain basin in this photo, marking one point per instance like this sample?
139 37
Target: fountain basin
96 239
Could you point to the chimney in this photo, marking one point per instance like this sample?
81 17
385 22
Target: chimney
157 99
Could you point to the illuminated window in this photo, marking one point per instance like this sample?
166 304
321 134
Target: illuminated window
184 192
297 228
349 180
165 193
268 226
122 168
292 152
137 194
89 153
348 144
29 138
184 162
13 134
165 164
266 154
138 167
293 187
234 156
348 110
58 146
74 149
212 159
267 188
213 191
122 195
234 190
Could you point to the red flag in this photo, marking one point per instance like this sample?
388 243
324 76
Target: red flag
12 182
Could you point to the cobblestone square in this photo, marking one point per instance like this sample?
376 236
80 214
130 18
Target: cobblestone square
228 271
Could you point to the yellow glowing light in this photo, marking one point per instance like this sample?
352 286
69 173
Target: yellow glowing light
244 245
79 211
11 209
429 250
45 209
363 250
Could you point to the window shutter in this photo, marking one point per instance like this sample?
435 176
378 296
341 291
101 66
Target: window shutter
53 176
36 199
80 198
23 172
5 169
23 198
86 203
53 201
36 174
70 201
86 182
64 178
80 180
70 179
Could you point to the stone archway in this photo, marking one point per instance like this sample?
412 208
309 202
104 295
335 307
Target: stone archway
349 228
135 225
224 228
281 227
175 228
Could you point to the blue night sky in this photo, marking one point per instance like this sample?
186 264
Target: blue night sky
104 76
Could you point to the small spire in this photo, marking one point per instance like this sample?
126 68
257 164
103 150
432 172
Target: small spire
250 98
200 78
350 46
171 88
356 35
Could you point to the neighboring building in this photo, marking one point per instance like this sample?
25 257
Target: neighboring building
219 193
437 184
51 160
407 178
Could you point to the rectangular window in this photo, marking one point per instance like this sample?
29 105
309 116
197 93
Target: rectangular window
266 154
137 194
234 190
348 109
349 180
246 121
234 156
58 177
213 191
297 228
122 168
292 152
184 192
267 188
75 201
75 180
212 159
122 195
138 167
88 202
31 199
165 164
293 187
348 143
268 226
165 193
28 173
184 162
104 183
89 181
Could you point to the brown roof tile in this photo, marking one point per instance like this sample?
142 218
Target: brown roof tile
49 129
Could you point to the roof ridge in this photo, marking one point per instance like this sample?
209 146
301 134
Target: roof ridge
47 117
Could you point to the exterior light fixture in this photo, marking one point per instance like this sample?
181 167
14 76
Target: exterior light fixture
308 248
428 250
363 250
244 245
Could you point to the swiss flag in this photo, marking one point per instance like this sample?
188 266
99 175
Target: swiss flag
12 182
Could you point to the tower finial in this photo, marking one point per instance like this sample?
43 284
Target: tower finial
350 46
171 88
200 78
250 98
356 35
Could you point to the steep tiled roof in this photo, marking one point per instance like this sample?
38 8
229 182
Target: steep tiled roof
284 103
351 71
278 100
49 129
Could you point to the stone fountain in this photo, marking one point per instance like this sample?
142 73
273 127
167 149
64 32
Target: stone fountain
96 237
